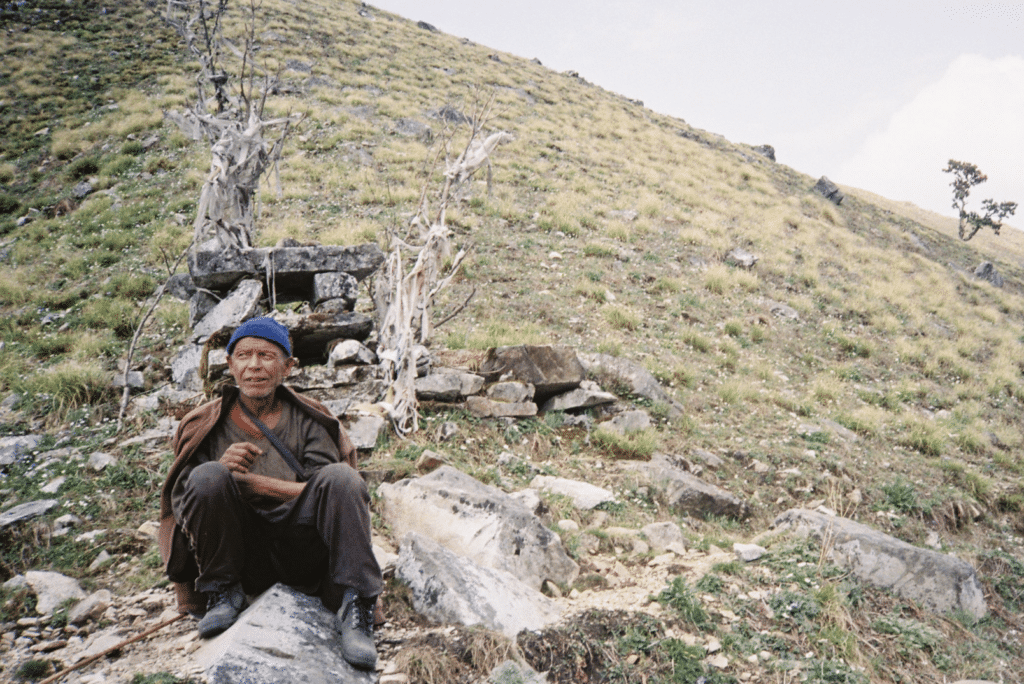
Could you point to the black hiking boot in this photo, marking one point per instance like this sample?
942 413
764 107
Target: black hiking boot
222 609
355 622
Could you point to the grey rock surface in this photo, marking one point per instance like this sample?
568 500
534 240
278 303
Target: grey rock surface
709 459
363 430
91 607
13 449
135 380
450 588
510 392
243 303
584 496
551 369
631 374
481 407
350 352
686 493
445 384
829 190
200 304
477 521
939 582
180 286
627 421
748 553
284 636
312 335
986 271
293 267
335 286
664 535
586 395
26 511
52 589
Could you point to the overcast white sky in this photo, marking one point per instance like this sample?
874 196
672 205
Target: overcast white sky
872 93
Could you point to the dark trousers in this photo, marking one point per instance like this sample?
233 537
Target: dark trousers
319 541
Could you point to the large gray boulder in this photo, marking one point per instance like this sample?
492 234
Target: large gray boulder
453 589
986 271
551 369
480 522
634 376
687 494
939 582
284 636
829 190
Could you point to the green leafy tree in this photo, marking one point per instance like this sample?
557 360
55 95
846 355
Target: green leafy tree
965 177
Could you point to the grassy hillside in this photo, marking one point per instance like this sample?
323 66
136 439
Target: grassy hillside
895 394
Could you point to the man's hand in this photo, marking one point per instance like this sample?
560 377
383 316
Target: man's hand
268 488
239 456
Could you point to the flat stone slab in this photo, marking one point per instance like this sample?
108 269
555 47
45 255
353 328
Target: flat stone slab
940 582
26 511
481 407
447 385
293 267
584 495
284 636
363 430
586 395
242 304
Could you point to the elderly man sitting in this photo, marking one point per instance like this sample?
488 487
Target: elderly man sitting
264 489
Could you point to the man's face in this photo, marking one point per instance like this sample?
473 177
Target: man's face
258 367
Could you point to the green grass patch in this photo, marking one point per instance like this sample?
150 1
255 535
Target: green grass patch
638 445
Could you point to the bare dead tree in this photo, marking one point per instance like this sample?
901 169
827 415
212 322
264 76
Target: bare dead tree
404 298
244 146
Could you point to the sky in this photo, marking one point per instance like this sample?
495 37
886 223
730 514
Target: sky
874 94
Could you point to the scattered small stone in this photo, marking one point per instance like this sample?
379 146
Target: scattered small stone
54 485
101 559
429 460
748 552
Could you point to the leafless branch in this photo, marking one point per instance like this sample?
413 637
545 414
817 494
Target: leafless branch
126 392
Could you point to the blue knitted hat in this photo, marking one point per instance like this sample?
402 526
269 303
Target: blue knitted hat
265 328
